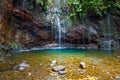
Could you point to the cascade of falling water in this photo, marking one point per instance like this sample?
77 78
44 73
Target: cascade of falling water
58 21
109 32
108 41
54 17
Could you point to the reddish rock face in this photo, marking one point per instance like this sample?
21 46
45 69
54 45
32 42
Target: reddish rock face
43 34
78 32
3 22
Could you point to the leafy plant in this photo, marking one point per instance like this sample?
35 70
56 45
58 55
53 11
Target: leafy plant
83 8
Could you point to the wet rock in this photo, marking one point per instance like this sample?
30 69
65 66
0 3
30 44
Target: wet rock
62 72
83 65
22 66
117 77
58 68
53 63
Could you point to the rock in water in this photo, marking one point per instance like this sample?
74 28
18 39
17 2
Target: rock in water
23 66
83 65
53 63
62 72
117 77
58 68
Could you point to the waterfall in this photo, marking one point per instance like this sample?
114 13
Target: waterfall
58 21
108 41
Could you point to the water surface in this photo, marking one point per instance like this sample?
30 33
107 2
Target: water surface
105 65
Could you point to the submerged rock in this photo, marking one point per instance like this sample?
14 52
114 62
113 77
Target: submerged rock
22 66
58 68
53 63
62 72
117 77
83 65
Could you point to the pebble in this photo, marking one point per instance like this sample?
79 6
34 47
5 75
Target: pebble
40 64
111 77
81 73
54 62
83 65
93 67
58 68
29 74
107 72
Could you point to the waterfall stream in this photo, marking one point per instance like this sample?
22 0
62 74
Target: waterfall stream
58 21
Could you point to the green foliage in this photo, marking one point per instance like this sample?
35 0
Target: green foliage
40 2
44 3
117 4
82 8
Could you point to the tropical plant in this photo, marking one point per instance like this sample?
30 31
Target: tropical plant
83 8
